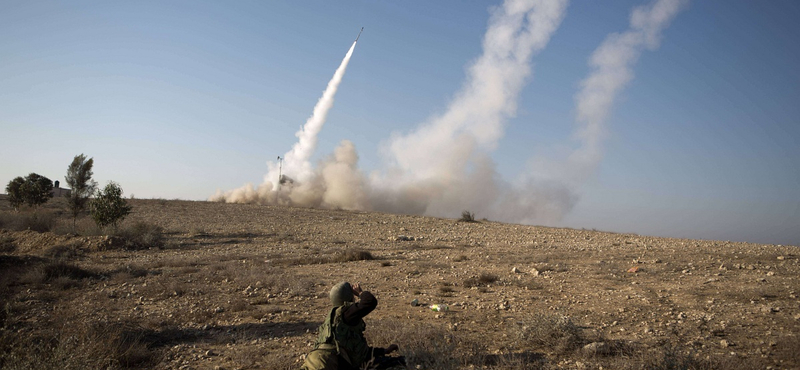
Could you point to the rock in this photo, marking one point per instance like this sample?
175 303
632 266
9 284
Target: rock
724 343
516 270
597 349
535 272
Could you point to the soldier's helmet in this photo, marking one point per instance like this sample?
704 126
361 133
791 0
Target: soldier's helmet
340 293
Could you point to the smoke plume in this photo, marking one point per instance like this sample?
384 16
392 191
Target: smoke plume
296 162
444 166
612 68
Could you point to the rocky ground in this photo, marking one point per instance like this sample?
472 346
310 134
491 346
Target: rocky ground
245 286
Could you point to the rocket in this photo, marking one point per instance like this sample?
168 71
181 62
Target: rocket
359 33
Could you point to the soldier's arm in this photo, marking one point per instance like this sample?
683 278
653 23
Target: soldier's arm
366 303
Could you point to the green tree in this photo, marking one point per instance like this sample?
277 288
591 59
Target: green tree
36 190
108 206
14 191
79 179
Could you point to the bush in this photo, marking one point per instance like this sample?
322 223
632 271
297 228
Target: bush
467 216
352 255
41 222
142 235
482 280
64 251
555 332
108 207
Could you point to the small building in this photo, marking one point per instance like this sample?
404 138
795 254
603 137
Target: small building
59 191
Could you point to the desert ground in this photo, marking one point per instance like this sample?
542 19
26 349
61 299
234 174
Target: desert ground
245 286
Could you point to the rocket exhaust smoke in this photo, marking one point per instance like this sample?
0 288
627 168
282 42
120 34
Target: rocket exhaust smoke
297 160
444 166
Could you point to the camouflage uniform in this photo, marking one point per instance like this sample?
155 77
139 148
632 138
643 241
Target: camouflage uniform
339 345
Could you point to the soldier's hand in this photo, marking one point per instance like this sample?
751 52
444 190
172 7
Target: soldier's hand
357 290
391 348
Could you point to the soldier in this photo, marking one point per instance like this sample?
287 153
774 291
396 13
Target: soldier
341 344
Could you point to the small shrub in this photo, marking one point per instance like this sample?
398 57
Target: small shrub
482 280
108 207
487 278
142 235
338 257
467 216
59 269
38 221
460 258
7 244
352 255
555 332
64 251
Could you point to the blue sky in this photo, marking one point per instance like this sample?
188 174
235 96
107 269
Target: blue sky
179 99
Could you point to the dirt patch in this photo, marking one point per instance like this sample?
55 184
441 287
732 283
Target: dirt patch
245 286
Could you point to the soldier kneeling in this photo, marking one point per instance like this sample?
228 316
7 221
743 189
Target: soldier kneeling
341 344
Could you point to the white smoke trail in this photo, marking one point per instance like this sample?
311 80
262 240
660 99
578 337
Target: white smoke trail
517 30
550 188
297 161
612 63
444 167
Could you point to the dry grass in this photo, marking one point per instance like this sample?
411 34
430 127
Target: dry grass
481 280
350 255
7 244
424 346
41 220
76 345
141 235
65 251
554 333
